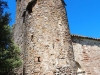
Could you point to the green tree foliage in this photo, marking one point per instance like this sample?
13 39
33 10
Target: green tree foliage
9 52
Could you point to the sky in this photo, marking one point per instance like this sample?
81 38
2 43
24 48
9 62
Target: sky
83 16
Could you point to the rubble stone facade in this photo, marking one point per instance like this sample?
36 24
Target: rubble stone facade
87 55
47 48
42 33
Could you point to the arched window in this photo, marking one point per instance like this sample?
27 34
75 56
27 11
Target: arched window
79 69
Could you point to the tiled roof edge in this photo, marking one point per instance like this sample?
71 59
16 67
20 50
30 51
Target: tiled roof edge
74 35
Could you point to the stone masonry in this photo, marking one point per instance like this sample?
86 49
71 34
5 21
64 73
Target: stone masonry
87 55
42 34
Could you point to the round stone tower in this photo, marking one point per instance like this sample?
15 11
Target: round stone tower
42 33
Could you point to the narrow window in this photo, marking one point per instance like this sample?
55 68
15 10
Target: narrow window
39 59
31 37
24 13
53 45
79 69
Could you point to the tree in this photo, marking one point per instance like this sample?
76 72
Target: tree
9 52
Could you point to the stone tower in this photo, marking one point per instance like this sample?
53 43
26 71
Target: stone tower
42 33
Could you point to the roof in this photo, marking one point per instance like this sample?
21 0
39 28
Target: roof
85 37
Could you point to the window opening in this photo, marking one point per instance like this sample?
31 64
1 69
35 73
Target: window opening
31 37
79 69
24 13
39 59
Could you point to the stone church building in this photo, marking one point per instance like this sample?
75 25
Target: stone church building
87 54
47 47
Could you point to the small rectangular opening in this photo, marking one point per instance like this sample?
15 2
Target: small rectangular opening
32 37
39 59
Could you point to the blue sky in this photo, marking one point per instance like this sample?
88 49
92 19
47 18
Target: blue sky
83 16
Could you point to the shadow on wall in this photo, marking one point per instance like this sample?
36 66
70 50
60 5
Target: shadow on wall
30 5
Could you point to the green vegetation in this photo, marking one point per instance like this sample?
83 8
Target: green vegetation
9 52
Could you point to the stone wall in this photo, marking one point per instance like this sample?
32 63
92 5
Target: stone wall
44 39
87 55
43 35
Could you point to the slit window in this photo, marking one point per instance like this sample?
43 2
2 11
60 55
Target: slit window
31 37
39 59
24 13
